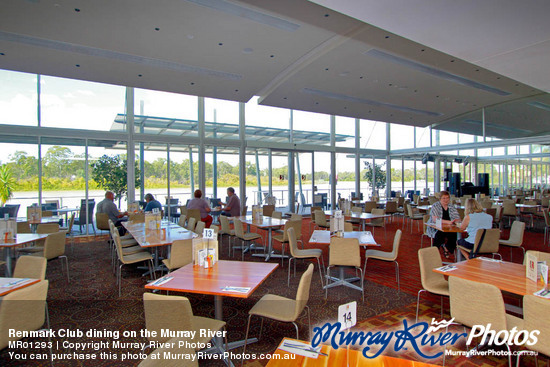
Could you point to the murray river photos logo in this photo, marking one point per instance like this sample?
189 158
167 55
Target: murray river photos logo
418 335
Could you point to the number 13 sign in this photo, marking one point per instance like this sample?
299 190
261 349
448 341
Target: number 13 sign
347 315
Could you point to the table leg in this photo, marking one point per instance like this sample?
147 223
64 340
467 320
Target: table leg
7 257
341 280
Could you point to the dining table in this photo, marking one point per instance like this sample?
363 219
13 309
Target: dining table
268 224
20 239
8 285
362 217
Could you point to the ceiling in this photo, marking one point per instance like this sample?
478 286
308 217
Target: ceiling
417 63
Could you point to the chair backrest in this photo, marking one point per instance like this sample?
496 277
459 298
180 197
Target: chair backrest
344 252
136 217
492 212
486 204
475 303
199 227
168 313
396 243
83 214
244 210
101 221
191 223
369 206
23 227
498 215
238 226
292 241
378 221
409 210
302 294
400 201
391 207
356 209
12 210
224 222
490 241
181 253
432 200
181 220
288 225
425 220
314 209
183 209
320 218
460 213
54 246
47 228
277 215
348 227
23 316
47 213
516 232
216 229
429 259
535 310
530 210
294 216
71 223
509 208
545 201
194 213
546 217
30 267
267 210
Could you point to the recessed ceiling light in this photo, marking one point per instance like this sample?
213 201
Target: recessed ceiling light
140 75
2 54
542 106
220 44
190 36
77 65
247 50
157 29
344 73
77 10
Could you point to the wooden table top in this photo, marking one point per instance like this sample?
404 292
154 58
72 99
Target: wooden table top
195 279
426 208
507 276
22 238
265 222
447 228
53 219
363 216
152 238
338 357
8 285
320 237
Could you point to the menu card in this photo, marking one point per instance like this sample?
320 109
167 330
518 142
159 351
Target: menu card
203 248
152 221
257 212
133 207
8 229
531 267
34 213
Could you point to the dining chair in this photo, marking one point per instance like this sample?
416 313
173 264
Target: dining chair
127 242
276 215
391 208
267 210
536 309
432 282
181 221
414 216
344 253
246 238
102 221
321 220
475 303
174 313
378 222
348 227
386 256
425 219
226 230
45 228
282 237
181 254
509 211
194 213
191 223
369 206
199 227
355 222
283 309
33 267
25 227
23 310
296 253
488 246
516 238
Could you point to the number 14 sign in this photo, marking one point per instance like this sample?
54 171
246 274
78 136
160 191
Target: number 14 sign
347 315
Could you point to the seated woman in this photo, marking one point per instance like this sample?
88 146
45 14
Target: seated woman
474 220
448 215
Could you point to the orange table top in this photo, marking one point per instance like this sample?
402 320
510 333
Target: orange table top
8 285
265 222
338 357
363 216
21 239
195 279
152 238
507 276
53 219
321 237
447 228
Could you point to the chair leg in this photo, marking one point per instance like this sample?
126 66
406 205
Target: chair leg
66 265
309 322
397 275
418 303
246 339
320 272
365 266
297 332
288 278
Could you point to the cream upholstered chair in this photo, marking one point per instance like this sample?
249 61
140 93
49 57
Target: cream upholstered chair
516 237
344 252
321 220
267 210
425 219
199 227
487 204
378 222
535 310
47 213
509 210
182 219
391 208
386 256
529 212
429 259
546 225
194 213
136 217
175 313
29 315
69 228
295 216
226 230
348 227
30 267
276 215
44 228
283 239
174 346
102 221
488 246
181 254
475 303
191 223
414 216
283 309
127 242
369 205
23 227
246 238
296 253
130 259
53 248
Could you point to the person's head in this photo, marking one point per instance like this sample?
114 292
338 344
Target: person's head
149 197
230 191
444 197
110 195
198 194
472 206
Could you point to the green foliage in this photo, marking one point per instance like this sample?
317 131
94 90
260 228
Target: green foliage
379 175
110 173
7 184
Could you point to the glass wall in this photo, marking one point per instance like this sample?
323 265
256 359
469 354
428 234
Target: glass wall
18 98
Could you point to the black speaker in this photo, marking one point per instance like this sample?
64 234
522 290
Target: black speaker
454 184
448 174
483 180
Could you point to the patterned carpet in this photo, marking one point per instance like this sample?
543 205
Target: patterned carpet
91 301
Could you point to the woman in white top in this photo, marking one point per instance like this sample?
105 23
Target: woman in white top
474 220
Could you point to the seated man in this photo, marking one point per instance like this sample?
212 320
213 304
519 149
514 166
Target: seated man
233 205
152 203
108 207
202 206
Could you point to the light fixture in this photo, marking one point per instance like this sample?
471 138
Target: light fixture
537 104
497 126
434 72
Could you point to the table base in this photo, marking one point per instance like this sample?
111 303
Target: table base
342 281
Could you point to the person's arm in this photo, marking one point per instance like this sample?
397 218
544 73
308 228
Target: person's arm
207 207
465 222
229 203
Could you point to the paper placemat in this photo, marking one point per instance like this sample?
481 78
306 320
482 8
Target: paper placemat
301 348
545 293
162 280
236 289
447 268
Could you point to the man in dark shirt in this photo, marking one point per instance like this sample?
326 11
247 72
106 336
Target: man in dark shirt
233 206
152 203
108 207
